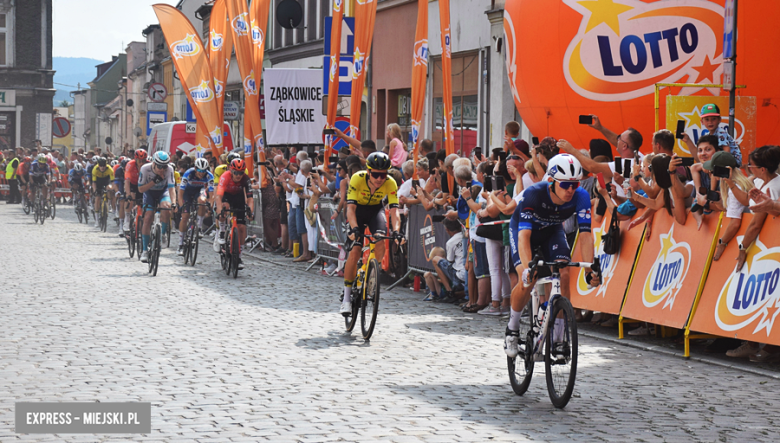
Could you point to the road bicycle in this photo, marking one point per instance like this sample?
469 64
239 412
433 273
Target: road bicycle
192 233
80 205
229 252
26 203
102 212
40 206
366 288
548 332
52 202
133 236
155 240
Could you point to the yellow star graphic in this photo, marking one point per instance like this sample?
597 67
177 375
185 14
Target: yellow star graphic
693 118
604 11
667 242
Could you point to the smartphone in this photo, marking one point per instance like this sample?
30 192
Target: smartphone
626 168
687 161
713 196
502 157
328 132
333 159
586 119
721 171
437 218
600 178
619 165
478 152
535 140
680 129
498 183
488 184
495 153
308 182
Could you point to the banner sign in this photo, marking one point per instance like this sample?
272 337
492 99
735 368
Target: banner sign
419 77
333 68
365 16
333 233
615 269
688 109
293 101
669 270
609 54
345 58
743 303
424 235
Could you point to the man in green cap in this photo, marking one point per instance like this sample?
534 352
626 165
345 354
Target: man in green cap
711 119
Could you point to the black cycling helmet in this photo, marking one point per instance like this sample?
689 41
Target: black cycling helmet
378 160
102 161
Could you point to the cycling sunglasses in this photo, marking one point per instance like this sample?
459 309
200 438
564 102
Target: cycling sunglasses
568 185
378 174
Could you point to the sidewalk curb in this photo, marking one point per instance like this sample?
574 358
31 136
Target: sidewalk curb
610 339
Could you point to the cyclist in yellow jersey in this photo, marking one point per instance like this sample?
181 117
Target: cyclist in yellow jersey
102 176
366 191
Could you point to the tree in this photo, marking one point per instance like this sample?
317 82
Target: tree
64 103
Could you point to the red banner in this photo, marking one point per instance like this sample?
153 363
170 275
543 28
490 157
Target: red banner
669 270
191 61
333 71
239 23
419 76
365 16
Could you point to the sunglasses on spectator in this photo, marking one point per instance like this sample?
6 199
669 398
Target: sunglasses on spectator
514 157
378 174
568 185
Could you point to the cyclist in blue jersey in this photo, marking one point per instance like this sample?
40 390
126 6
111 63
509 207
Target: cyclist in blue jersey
196 184
76 177
537 224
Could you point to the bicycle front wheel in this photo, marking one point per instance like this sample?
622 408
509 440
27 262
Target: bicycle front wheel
234 256
154 257
521 368
26 205
369 306
36 212
130 239
194 246
560 354
53 207
78 213
103 216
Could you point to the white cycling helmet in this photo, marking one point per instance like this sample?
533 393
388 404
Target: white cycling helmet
77 167
564 168
201 164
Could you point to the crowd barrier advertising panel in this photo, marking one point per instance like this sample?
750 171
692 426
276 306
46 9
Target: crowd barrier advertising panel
424 235
669 270
743 304
615 270
688 109
335 230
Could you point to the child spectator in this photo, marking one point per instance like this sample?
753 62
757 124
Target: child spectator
451 270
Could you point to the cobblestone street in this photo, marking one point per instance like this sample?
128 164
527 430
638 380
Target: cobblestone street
265 357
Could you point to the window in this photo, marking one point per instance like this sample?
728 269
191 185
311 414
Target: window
4 40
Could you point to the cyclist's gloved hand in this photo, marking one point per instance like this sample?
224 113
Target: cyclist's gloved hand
353 233
157 178
398 236
527 277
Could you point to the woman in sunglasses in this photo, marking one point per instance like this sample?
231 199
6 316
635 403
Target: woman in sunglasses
537 224
367 190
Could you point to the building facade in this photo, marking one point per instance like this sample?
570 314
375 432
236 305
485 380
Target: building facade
26 75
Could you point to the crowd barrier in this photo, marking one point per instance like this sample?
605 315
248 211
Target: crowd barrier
333 233
424 234
673 280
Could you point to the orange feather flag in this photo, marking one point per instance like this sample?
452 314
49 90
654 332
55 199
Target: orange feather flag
333 71
365 17
419 74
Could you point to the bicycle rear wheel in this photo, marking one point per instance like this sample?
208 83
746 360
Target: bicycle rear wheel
103 216
26 204
234 255
560 354
130 239
369 306
36 212
53 207
157 245
521 368
357 288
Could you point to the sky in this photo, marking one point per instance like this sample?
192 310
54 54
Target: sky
100 28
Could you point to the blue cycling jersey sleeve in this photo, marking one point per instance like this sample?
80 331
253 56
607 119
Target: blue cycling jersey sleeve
583 210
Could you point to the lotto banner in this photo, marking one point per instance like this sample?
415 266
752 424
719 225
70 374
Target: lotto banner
192 64
258 18
743 303
688 109
669 270
419 76
615 270
365 16
333 72
239 22
220 49
604 57
446 75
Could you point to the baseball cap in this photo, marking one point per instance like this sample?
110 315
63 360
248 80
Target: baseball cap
710 110
522 146
720 158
